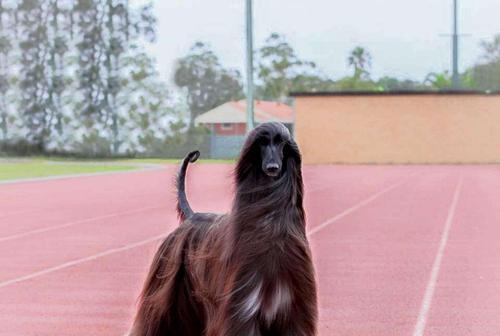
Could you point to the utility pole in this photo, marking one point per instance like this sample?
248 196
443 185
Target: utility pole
249 33
456 76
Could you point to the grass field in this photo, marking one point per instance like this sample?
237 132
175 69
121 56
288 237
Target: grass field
21 169
15 168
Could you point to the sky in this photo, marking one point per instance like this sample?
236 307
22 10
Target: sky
406 38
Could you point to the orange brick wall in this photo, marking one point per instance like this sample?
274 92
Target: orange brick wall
399 128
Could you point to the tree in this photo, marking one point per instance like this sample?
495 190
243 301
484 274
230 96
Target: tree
491 49
150 110
105 29
96 42
394 84
439 80
90 50
443 80
207 83
7 43
122 28
58 26
361 61
486 74
34 83
281 71
312 83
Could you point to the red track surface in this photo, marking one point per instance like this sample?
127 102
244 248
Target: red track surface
398 250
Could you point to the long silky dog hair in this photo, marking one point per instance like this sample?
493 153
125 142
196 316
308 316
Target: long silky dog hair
245 273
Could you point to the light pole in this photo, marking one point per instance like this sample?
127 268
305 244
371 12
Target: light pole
249 33
456 76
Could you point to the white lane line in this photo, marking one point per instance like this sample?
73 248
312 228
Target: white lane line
431 285
355 207
79 261
92 219
82 221
152 239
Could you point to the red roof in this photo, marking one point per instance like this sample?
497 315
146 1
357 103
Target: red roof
267 111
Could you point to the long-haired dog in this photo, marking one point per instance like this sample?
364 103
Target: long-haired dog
245 273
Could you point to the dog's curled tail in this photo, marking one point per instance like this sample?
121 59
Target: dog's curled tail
184 211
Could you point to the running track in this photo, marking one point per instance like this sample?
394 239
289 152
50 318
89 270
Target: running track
399 250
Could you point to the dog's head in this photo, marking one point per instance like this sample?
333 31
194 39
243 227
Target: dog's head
269 148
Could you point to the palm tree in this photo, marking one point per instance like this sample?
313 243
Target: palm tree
439 81
361 60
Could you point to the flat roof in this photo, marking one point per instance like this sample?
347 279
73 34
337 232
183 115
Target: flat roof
394 93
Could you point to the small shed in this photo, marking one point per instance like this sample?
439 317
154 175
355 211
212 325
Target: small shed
227 123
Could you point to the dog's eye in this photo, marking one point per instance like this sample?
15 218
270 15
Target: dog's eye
277 139
264 141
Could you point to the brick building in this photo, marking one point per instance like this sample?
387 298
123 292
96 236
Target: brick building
227 123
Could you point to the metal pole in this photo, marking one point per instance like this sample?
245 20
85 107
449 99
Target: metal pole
456 76
249 31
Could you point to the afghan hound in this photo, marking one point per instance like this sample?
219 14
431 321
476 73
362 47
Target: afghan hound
245 273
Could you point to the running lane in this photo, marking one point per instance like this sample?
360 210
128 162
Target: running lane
54 275
373 265
467 294
74 252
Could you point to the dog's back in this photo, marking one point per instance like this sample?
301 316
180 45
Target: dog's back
171 302
167 305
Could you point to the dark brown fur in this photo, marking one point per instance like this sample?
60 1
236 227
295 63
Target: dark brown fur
207 274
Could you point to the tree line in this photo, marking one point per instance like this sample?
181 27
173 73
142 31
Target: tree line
74 78
279 70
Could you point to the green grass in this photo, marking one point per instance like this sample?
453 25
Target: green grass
13 170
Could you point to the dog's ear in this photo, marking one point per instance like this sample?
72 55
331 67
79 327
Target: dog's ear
249 158
291 150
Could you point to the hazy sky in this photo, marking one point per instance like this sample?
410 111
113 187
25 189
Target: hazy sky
403 36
